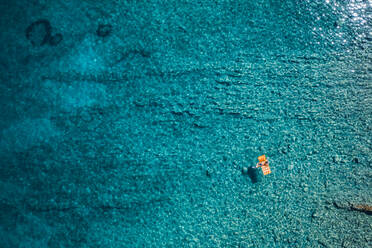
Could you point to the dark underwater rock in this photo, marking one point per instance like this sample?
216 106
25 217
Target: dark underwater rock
365 208
104 30
55 40
39 32
362 208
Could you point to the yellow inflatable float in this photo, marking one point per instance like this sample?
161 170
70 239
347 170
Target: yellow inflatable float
264 164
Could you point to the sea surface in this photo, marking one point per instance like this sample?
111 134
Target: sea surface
136 123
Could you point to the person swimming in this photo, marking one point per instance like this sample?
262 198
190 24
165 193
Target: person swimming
252 170
262 163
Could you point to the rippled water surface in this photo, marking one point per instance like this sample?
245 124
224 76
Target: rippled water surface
128 124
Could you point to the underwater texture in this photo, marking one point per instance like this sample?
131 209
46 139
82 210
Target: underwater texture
129 123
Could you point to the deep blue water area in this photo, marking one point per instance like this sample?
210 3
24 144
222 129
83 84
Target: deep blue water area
136 123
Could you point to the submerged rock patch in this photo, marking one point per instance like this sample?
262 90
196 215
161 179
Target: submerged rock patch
56 39
104 30
39 33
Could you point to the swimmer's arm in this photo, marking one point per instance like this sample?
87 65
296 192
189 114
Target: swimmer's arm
260 164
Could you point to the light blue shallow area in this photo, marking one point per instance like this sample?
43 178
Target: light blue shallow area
138 138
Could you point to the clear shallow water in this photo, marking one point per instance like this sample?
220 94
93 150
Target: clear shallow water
138 138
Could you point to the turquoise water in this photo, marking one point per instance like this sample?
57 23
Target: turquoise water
128 124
